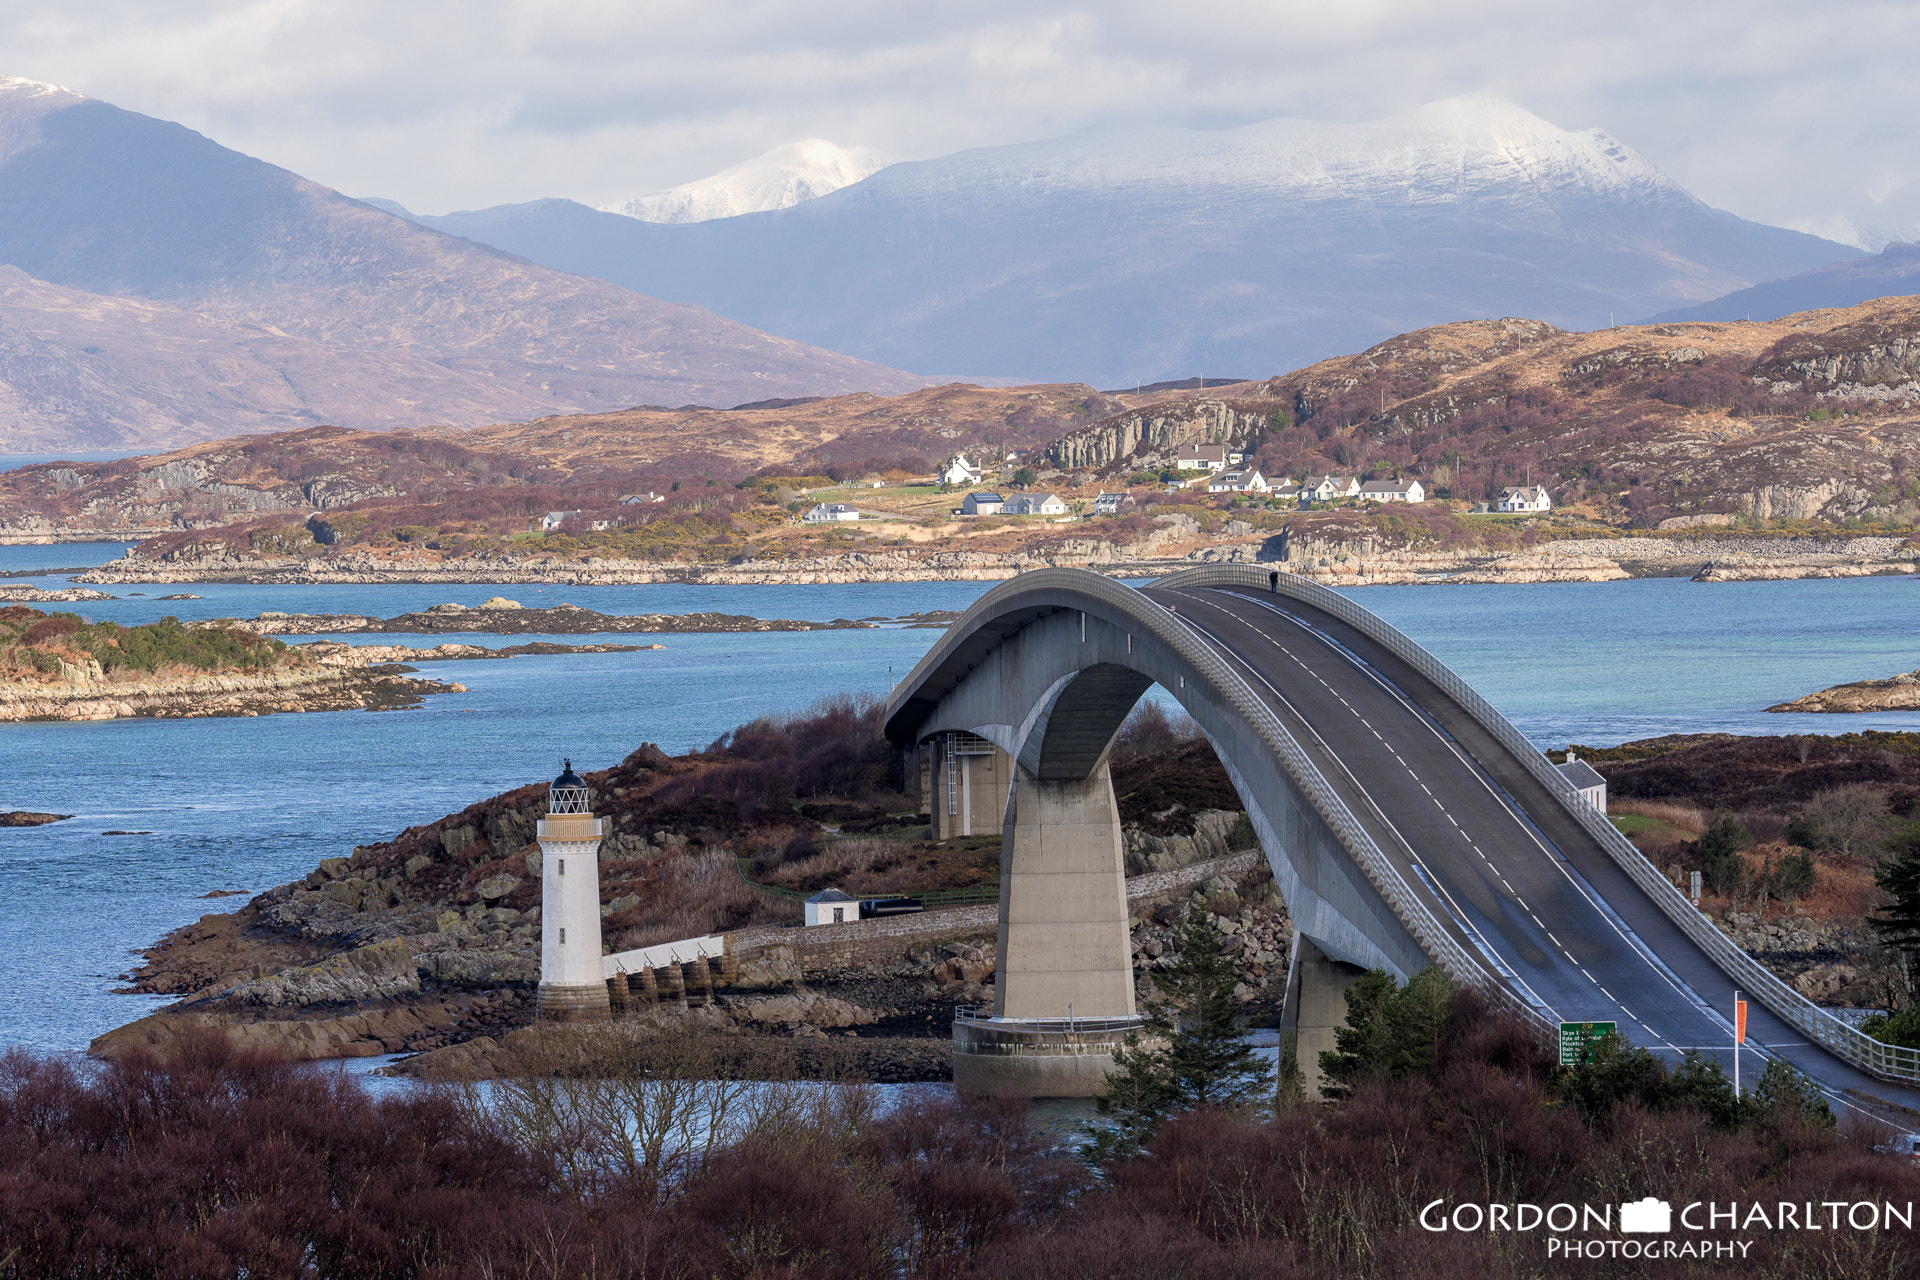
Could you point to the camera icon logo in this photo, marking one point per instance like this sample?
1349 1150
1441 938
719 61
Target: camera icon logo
1646 1216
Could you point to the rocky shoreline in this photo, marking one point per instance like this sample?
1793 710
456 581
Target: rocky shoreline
509 617
314 688
1586 559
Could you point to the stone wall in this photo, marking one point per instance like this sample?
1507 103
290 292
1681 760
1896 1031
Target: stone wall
883 941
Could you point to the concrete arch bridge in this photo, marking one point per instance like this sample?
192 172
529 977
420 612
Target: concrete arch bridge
1406 822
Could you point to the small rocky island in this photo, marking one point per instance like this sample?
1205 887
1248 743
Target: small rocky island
1900 693
500 616
60 667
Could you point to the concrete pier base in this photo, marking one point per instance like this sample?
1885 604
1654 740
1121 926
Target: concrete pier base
1063 996
574 1003
1037 1059
1316 1005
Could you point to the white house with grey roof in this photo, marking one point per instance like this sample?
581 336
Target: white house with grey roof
1248 481
1531 498
831 511
1393 491
1033 504
1586 780
1329 488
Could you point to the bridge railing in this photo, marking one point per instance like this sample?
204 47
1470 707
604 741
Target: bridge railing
982 1015
1123 607
1890 1062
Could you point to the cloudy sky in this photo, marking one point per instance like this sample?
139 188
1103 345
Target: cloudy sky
1796 114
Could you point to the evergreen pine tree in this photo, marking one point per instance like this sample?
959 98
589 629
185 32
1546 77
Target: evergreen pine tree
1392 1032
1898 876
1201 1059
1720 848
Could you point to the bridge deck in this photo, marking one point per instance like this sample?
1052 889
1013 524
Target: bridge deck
1498 858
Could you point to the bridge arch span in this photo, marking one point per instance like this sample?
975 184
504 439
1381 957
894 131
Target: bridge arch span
1405 820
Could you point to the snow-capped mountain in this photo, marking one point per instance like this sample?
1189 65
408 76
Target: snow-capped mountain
780 179
1126 255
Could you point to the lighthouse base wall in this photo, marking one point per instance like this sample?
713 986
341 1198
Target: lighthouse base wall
574 1003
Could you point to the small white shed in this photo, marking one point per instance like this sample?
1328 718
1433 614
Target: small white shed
1586 780
830 906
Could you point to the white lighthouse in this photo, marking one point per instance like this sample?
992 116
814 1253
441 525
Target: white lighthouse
572 987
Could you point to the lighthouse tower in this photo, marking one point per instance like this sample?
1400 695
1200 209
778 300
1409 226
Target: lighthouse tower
572 988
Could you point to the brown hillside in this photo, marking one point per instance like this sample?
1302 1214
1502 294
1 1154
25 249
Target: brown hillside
1813 416
555 462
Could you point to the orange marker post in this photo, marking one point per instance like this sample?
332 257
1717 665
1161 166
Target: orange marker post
1739 1037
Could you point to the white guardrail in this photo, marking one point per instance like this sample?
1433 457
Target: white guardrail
660 955
1889 1062
1126 608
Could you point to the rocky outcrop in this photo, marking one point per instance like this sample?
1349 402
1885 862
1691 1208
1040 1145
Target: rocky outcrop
1145 852
86 694
1142 436
498 617
367 973
39 595
1901 693
360 1033
337 653
24 818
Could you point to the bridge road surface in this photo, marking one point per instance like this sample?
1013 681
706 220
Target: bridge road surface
1499 861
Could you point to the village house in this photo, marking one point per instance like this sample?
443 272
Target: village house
1586 780
1201 457
826 511
554 519
648 496
1393 491
958 471
982 504
1329 488
1287 491
1112 504
1528 499
1033 504
1249 481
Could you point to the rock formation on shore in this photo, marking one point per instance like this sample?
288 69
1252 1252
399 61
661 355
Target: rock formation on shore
1900 693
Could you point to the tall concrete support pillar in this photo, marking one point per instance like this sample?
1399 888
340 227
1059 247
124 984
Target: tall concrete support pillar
1064 942
1316 1005
1063 998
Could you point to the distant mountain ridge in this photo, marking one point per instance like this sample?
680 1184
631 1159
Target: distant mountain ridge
1892 273
1124 256
166 289
779 179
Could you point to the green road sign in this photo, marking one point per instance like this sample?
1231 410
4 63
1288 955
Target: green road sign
1576 1040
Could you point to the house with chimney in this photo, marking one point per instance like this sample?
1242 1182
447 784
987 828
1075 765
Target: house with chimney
1532 498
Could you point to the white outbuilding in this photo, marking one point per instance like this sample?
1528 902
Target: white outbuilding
830 906
1586 780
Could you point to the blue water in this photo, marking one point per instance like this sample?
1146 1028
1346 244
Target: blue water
247 804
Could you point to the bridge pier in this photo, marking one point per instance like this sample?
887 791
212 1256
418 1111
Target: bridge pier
1315 1006
1063 997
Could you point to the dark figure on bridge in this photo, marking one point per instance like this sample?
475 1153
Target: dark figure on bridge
1273 581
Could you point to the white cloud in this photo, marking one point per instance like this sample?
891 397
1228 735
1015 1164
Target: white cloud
1766 108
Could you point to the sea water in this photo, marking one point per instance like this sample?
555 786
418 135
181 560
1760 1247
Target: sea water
250 803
